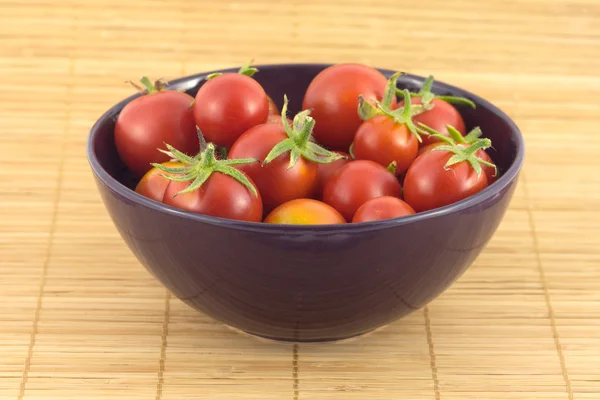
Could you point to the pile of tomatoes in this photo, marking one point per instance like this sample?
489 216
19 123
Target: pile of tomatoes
360 150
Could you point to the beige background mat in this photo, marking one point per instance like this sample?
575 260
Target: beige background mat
81 319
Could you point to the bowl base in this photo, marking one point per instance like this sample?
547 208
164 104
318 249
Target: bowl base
269 339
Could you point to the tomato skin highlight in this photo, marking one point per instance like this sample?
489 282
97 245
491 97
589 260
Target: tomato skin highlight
333 96
358 182
276 183
442 114
326 171
380 208
220 196
148 122
153 185
304 212
383 140
429 185
228 105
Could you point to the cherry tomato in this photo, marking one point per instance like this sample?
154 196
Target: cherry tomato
384 140
149 121
358 182
489 171
325 171
442 114
276 183
220 196
228 105
153 185
380 208
333 97
430 184
304 212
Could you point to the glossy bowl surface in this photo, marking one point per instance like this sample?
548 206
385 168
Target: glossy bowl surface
307 283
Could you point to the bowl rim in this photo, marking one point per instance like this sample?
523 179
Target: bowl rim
191 81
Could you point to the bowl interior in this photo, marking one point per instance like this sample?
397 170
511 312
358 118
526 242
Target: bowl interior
293 80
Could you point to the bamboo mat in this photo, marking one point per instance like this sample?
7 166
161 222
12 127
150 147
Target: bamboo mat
81 319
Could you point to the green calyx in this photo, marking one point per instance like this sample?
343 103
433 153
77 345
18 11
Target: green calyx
392 167
456 145
148 86
404 115
199 168
244 70
299 142
427 95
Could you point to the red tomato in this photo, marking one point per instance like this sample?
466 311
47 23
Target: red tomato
438 117
228 105
148 122
358 182
380 208
333 97
429 184
153 185
220 196
325 171
489 171
304 212
276 183
384 140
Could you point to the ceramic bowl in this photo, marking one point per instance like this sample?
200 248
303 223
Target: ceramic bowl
307 283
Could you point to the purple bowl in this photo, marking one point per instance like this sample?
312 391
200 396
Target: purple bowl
307 283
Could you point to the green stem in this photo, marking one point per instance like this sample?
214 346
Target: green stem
463 148
245 69
454 135
427 96
148 86
392 167
199 168
390 90
299 141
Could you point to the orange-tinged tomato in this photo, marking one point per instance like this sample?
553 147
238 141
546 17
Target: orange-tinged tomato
383 140
304 212
153 185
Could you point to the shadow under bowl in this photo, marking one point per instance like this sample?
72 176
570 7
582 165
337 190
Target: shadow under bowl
308 283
